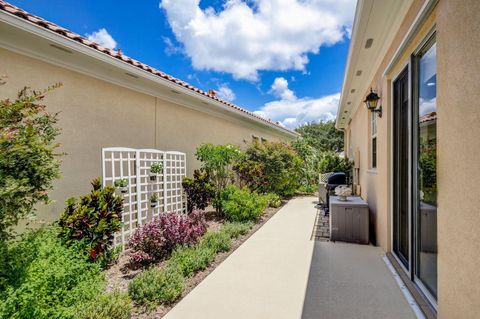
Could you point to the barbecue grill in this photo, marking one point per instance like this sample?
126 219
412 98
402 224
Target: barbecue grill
335 180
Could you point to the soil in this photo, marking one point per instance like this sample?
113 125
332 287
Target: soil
121 273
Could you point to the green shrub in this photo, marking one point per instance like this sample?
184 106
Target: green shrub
332 162
92 222
200 191
217 241
191 259
274 165
217 161
155 286
236 229
114 305
241 204
310 168
46 279
274 200
28 160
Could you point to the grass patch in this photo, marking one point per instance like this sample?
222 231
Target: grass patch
114 305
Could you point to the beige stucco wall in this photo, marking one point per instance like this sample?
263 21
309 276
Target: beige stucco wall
458 93
96 114
458 87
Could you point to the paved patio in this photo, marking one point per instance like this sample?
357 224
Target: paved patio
280 272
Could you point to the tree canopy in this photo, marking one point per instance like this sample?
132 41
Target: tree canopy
322 136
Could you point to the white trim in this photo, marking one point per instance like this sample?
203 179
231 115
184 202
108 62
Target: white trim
372 171
75 46
406 293
414 27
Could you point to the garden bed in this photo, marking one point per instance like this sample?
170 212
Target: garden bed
120 274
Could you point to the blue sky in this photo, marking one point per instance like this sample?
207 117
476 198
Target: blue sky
283 59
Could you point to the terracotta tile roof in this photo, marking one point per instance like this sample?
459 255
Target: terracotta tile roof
428 117
9 8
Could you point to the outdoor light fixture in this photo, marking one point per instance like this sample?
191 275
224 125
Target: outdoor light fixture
371 102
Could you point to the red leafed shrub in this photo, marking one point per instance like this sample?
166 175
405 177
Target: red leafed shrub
156 239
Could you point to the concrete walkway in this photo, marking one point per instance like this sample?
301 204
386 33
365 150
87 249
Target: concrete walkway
280 273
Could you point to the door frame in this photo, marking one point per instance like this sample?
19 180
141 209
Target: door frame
407 65
412 187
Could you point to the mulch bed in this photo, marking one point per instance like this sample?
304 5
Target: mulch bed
121 273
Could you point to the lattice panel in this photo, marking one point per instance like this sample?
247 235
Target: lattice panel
175 171
120 163
134 165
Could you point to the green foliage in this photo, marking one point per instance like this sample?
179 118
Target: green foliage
428 170
156 168
332 162
217 161
92 222
42 278
241 204
322 136
28 160
236 229
154 198
121 182
199 190
219 241
309 170
155 286
273 168
274 200
189 259
114 305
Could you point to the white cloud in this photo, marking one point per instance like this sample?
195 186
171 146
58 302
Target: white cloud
248 36
292 111
103 38
224 92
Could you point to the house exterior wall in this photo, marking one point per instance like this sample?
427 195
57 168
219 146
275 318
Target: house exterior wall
458 166
96 114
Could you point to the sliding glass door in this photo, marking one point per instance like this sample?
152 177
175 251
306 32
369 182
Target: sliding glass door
415 169
425 173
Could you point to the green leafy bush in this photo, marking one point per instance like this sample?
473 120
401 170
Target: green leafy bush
217 241
45 279
188 259
310 168
217 161
274 166
241 204
28 160
274 200
114 305
92 222
200 191
236 229
155 286
332 162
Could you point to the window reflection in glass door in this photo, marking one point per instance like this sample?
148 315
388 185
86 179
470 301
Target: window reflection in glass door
426 163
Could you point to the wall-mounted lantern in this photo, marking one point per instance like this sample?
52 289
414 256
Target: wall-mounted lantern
371 102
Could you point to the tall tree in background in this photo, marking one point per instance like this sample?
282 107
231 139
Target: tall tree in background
323 136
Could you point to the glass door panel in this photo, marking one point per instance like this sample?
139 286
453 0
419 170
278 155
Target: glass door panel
426 165
401 242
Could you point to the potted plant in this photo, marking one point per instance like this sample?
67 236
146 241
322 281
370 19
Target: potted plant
155 169
154 200
122 184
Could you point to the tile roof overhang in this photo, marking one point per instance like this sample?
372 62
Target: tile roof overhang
77 43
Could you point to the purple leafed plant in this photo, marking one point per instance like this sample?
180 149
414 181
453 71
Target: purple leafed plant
156 239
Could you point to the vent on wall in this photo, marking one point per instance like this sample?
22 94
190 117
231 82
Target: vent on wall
61 48
369 43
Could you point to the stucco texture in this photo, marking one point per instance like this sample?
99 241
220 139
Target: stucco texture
96 114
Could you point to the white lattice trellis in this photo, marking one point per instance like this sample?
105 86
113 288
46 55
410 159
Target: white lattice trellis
134 165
